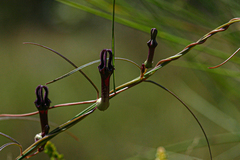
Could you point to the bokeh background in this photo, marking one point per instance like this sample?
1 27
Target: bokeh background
142 118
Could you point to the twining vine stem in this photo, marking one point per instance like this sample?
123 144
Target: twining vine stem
118 90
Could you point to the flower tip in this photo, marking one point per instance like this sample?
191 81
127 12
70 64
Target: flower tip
154 33
104 63
42 102
152 44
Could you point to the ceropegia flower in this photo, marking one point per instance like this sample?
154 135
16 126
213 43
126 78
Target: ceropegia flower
106 69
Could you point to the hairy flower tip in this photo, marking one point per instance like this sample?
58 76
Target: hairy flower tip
153 33
152 44
42 102
105 69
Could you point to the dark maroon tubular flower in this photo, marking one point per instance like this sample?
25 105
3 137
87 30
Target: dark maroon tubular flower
106 69
152 44
42 103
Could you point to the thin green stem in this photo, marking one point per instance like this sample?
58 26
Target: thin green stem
58 130
124 87
55 106
14 142
95 87
225 60
205 135
113 44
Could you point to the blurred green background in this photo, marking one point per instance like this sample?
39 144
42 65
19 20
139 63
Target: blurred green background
144 117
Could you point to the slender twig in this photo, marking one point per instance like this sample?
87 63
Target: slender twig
88 64
14 142
200 41
73 103
19 115
55 106
225 60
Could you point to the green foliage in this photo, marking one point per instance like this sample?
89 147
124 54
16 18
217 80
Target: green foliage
180 23
172 19
51 151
